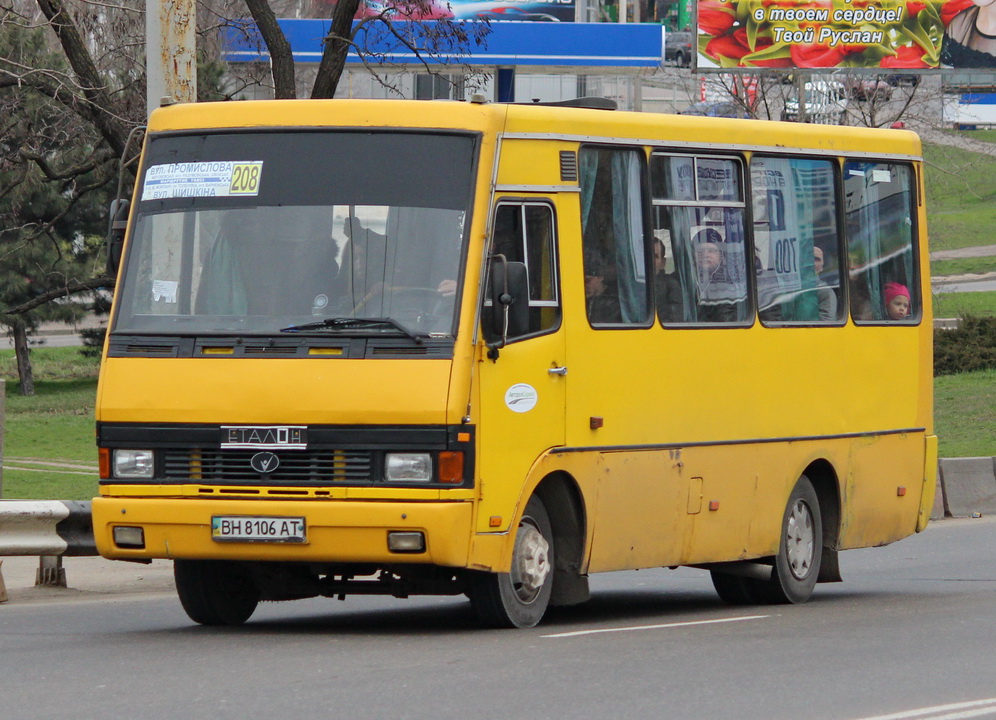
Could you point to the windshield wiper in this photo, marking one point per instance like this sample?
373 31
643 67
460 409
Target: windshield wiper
349 323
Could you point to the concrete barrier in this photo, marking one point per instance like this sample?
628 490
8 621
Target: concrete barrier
968 486
937 513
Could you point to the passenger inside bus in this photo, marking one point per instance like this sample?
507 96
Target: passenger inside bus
826 297
376 278
712 278
667 286
601 298
897 301
255 258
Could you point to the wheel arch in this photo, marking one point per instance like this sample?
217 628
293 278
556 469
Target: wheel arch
565 507
826 483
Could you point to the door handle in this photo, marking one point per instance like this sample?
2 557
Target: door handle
557 371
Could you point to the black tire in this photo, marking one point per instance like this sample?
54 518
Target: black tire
519 598
679 59
215 593
800 550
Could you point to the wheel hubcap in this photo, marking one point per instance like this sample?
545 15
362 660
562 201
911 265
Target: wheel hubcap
800 540
531 563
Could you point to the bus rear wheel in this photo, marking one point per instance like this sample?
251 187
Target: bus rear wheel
795 568
215 593
519 598
737 590
800 550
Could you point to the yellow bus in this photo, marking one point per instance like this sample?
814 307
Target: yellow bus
392 347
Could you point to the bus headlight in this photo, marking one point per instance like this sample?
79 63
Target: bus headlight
134 463
408 467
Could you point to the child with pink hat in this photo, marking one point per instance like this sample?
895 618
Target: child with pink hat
897 301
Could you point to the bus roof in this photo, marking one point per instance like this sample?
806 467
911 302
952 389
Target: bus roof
543 121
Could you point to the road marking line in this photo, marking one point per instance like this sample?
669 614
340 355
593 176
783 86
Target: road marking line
662 626
989 706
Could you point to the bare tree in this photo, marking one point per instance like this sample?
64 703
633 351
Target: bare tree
439 43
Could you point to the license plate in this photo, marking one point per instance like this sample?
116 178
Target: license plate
247 528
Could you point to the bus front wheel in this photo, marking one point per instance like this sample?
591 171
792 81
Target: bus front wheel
215 593
519 598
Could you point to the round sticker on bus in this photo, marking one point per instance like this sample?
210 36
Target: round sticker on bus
521 398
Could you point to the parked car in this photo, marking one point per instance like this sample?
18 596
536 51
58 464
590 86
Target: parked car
401 10
825 104
678 47
514 13
716 109
868 88
908 79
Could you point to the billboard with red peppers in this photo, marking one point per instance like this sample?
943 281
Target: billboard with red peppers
847 34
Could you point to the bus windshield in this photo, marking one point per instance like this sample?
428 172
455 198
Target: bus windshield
252 233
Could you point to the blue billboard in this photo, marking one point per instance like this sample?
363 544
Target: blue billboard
536 44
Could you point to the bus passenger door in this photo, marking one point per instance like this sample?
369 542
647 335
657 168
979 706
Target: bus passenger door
523 383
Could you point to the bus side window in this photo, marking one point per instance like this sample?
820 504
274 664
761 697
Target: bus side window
613 237
525 232
796 242
881 257
699 222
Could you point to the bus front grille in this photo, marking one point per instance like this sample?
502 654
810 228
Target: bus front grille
237 466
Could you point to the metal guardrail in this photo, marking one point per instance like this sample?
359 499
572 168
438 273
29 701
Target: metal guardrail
50 529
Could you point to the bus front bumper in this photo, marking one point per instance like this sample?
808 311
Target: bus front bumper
334 531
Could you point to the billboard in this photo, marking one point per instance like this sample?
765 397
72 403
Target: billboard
887 34
494 10
629 47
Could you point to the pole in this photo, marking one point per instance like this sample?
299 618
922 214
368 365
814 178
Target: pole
3 406
171 51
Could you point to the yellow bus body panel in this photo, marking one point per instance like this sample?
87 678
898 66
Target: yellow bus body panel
274 391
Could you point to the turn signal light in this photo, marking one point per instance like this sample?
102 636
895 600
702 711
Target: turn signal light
104 458
450 467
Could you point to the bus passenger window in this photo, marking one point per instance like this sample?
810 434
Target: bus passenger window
796 242
881 257
524 232
612 236
700 266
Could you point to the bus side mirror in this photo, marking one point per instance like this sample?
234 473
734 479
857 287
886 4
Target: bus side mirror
509 299
116 233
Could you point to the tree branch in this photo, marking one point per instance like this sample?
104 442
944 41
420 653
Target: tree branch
281 56
71 288
108 124
336 48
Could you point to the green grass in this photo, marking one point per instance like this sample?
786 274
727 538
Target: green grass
953 305
960 198
54 424
965 414
980 135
